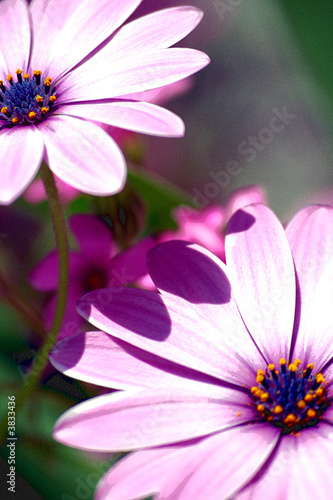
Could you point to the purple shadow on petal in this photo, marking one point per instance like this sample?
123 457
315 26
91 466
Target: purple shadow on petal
297 318
242 222
185 272
149 316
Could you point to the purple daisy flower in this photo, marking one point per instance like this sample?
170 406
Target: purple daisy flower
65 65
225 377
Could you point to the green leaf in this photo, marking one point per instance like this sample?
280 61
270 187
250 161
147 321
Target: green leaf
160 196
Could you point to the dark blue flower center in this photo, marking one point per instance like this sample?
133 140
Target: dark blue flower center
26 101
291 398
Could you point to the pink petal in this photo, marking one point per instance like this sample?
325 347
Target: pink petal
146 418
301 468
134 73
14 36
263 279
311 240
239 453
171 470
81 154
86 356
158 30
175 330
93 236
128 266
243 197
44 276
135 116
22 152
82 31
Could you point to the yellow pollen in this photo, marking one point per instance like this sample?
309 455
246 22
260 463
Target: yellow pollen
301 404
297 362
238 414
278 409
39 98
47 81
310 366
32 114
308 398
4 109
270 418
264 396
260 376
282 361
44 110
26 76
1 82
311 413
53 98
18 71
320 391
320 378
290 419
37 72
260 408
271 367
292 367
9 78
15 120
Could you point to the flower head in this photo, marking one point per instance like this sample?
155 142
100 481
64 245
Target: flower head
225 376
65 65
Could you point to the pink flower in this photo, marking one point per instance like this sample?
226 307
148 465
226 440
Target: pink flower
97 264
221 347
206 227
66 64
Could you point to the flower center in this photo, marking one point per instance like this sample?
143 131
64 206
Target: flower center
291 398
26 101
95 279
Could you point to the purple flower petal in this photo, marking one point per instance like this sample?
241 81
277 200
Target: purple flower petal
139 474
134 73
96 358
83 155
133 420
22 152
88 25
44 277
300 469
262 273
158 30
136 116
311 239
14 36
237 455
173 329
93 237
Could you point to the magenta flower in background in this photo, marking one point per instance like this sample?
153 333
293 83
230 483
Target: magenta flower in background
96 264
65 64
206 227
225 377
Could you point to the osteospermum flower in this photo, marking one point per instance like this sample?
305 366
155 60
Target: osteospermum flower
225 377
66 64
96 263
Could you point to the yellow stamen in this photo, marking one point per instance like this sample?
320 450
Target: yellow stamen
26 76
260 376
271 367
278 409
36 72
282 361
310 366
44 110
311 413
319 392
39 98
47 81
301 404
53 98
18 71
15 120
308 398
264 396
238 414
32 114
290 419
4 109
292 367
9 78
297 362
260 408
320 378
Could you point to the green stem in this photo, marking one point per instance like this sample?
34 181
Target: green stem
25 309
60 231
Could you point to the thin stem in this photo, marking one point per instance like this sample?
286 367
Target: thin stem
60 231
21 305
